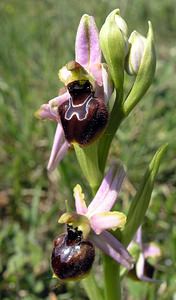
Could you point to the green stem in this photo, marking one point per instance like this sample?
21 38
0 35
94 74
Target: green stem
92 160
116 119
91 288
88 161
112 285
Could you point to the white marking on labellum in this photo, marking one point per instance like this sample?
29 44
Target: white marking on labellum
80 110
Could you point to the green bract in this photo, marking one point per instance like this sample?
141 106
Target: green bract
141 201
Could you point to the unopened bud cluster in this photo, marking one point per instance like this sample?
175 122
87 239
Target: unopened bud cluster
133 54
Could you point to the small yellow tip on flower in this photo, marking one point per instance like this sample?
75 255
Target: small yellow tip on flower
121 219
77 191
80 203
107 220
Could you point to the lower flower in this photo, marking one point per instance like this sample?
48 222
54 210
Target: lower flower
72 256
88 226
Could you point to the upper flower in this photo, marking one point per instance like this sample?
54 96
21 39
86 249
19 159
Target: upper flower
81 109
97 218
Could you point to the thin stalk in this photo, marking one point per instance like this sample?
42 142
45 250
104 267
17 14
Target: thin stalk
116 119
91 288
88 161
112 287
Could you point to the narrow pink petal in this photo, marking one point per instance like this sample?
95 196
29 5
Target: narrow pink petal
103 202
114 249
50 110
108 220
138 236
108 237
80 203
60 155
59 100
45 112
96 71
113 192
59 141
102 191
87 47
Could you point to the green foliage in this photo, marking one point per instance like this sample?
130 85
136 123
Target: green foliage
140 203
37 38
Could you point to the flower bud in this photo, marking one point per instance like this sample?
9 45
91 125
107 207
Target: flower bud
113 41
142 61
137 45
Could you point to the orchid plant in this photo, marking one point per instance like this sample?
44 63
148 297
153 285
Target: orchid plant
88 111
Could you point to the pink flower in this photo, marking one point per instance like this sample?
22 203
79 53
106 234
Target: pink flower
143 270
81 110
96 219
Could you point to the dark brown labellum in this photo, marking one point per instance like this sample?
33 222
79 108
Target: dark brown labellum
72 257
83 116
148 271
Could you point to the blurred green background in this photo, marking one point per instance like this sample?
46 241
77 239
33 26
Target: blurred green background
36 39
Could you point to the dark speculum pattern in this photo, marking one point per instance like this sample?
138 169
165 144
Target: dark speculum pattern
72 257
83 116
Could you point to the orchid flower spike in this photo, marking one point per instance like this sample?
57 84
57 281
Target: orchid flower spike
81 110
96 219
143 270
